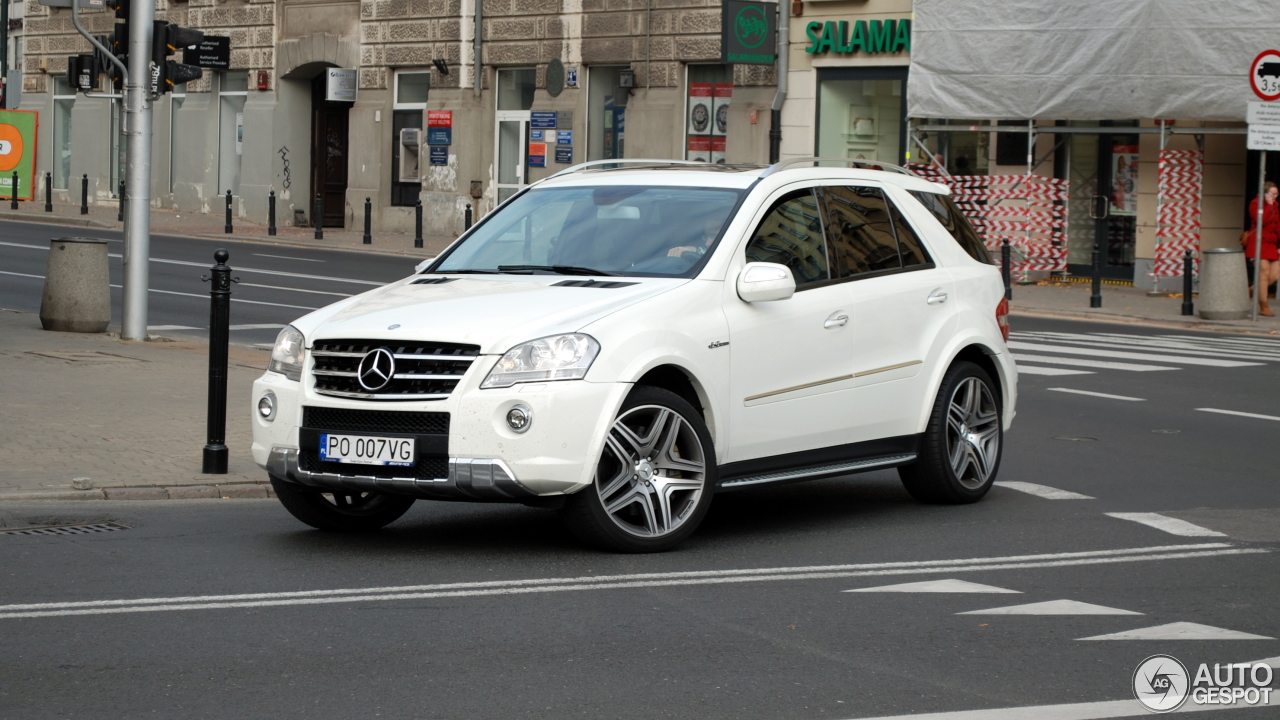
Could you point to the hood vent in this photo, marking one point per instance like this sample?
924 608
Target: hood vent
433 281
605 284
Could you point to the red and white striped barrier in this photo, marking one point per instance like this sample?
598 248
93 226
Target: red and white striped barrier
1179 189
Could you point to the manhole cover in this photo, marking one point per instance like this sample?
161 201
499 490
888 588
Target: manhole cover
1072 438
84 357
67 529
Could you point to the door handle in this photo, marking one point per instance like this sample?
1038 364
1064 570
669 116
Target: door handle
937 297
835 321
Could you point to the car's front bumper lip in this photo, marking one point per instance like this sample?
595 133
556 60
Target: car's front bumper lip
468 479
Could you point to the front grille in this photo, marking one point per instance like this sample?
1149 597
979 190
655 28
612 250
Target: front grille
374 421
425 468
423 370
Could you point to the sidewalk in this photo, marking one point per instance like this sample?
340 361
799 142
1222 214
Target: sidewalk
212 227
1122 304
129 416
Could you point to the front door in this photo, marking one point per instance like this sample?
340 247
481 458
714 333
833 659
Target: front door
512 144
328 155
1103 204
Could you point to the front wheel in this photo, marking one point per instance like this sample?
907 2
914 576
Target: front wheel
961 446
340 511
654 480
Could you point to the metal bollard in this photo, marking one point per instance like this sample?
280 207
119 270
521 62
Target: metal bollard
1005 259
227 228
120 214
466 219
48 192
215 450
368 219
417 225
84 194
271 213
1095 300
317 220
1188 308
13 202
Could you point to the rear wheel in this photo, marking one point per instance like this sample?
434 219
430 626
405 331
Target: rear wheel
340 511
961 447
654 479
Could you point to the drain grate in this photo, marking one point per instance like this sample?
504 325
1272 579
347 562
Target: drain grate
67 529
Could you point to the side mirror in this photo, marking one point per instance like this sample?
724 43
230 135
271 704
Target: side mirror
423 265
763 282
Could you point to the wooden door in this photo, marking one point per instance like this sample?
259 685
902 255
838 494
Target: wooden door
329 148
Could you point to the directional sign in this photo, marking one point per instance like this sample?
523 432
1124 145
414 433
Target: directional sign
1264 75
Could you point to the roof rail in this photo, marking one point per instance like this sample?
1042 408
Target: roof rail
623 161
863 164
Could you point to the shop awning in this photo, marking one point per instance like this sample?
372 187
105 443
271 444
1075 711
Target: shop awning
1086 59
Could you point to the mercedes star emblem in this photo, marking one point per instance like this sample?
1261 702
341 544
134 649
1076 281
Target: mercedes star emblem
376 369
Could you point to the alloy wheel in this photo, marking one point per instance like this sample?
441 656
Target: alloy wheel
973 433
652 472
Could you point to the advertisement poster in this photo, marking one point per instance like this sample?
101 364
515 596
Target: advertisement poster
1124 179
699 148
700 108
537 154
17 152
721 95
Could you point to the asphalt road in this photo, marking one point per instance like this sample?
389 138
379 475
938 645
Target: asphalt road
278 283
492 611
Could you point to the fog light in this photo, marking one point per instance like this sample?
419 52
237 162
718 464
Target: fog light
267 406
519 418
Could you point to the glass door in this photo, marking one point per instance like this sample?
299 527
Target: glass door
1103 204
512 144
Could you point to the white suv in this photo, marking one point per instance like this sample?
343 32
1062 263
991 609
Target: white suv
622 341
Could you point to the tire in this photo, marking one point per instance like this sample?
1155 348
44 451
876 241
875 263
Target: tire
340 512
962 444
654 479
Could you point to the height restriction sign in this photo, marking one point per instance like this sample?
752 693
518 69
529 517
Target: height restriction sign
1264 75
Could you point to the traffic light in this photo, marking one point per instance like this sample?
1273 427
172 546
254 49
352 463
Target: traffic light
118 43
121 7
166 73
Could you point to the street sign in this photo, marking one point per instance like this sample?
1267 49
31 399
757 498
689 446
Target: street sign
543 119
212 52
439 155
1264 126
1264 75
440 118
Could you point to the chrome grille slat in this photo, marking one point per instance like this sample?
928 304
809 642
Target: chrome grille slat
423 370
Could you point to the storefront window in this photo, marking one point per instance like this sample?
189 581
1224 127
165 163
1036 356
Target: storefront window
860 113
707 112
63 100
515 88
233 89
606 119
412 90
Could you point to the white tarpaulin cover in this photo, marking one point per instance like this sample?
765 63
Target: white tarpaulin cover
1086 59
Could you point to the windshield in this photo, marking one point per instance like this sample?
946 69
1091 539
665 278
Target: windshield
604 230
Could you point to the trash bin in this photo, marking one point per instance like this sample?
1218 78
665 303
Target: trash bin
1224 287
77 289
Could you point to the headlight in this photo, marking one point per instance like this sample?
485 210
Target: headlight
560 357
289 353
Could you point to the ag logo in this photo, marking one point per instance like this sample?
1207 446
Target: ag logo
10 147
1161 683
751 27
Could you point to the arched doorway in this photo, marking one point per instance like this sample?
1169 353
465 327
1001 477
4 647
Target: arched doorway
329 152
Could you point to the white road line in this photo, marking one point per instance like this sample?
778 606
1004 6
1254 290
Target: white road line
1102 364
1181 359
257 326
1043 491
1098 394
1033 370
1052 607
1173 526
171 327
277 287
1073 711
234 299
1237 412
526 587
286 257
1154 346
5 272
1238 339
1179 631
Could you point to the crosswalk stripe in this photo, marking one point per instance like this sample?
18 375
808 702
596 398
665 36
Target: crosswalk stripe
1120 344
1075 362
1181 359
1180 631
1173 526
1053 607
1033 370
1237 412
1108 396
1268 342
1208 345
1044 491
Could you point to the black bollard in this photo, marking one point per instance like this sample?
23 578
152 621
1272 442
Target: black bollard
1095 300
368 219
13 203
48 192
466 219
1005 257
215 450
227 228
1188 308
317 220
120 213
417 225
271 213
84 194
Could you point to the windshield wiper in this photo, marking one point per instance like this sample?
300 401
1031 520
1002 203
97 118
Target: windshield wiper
462 272
559 269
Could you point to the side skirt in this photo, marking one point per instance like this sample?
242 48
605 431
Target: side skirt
821 463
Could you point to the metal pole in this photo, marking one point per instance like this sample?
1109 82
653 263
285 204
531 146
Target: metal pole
466 218
1005 258
13 202
226 228
1095 300
84 194
1187 269
215 450
1257 244
782 68
137 130
368 220
120 194
417 225
317 219
48 192
271 213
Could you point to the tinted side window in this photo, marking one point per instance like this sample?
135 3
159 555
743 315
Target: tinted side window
913 252
944 208
791 235
860 230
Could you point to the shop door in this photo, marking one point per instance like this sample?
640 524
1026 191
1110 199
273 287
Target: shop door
1104 204
329 154
511 143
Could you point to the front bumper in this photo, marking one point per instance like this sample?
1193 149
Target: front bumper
468 479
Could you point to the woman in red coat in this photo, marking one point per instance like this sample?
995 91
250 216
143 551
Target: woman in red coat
1270 239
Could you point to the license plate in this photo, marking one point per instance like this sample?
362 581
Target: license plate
366 450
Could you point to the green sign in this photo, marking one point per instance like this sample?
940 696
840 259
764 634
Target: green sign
18 153
749 32
876 36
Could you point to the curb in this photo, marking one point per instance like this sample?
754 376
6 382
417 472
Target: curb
231 491
270 240
1199 325
57 220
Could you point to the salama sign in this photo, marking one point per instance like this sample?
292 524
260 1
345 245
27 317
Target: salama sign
867 36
